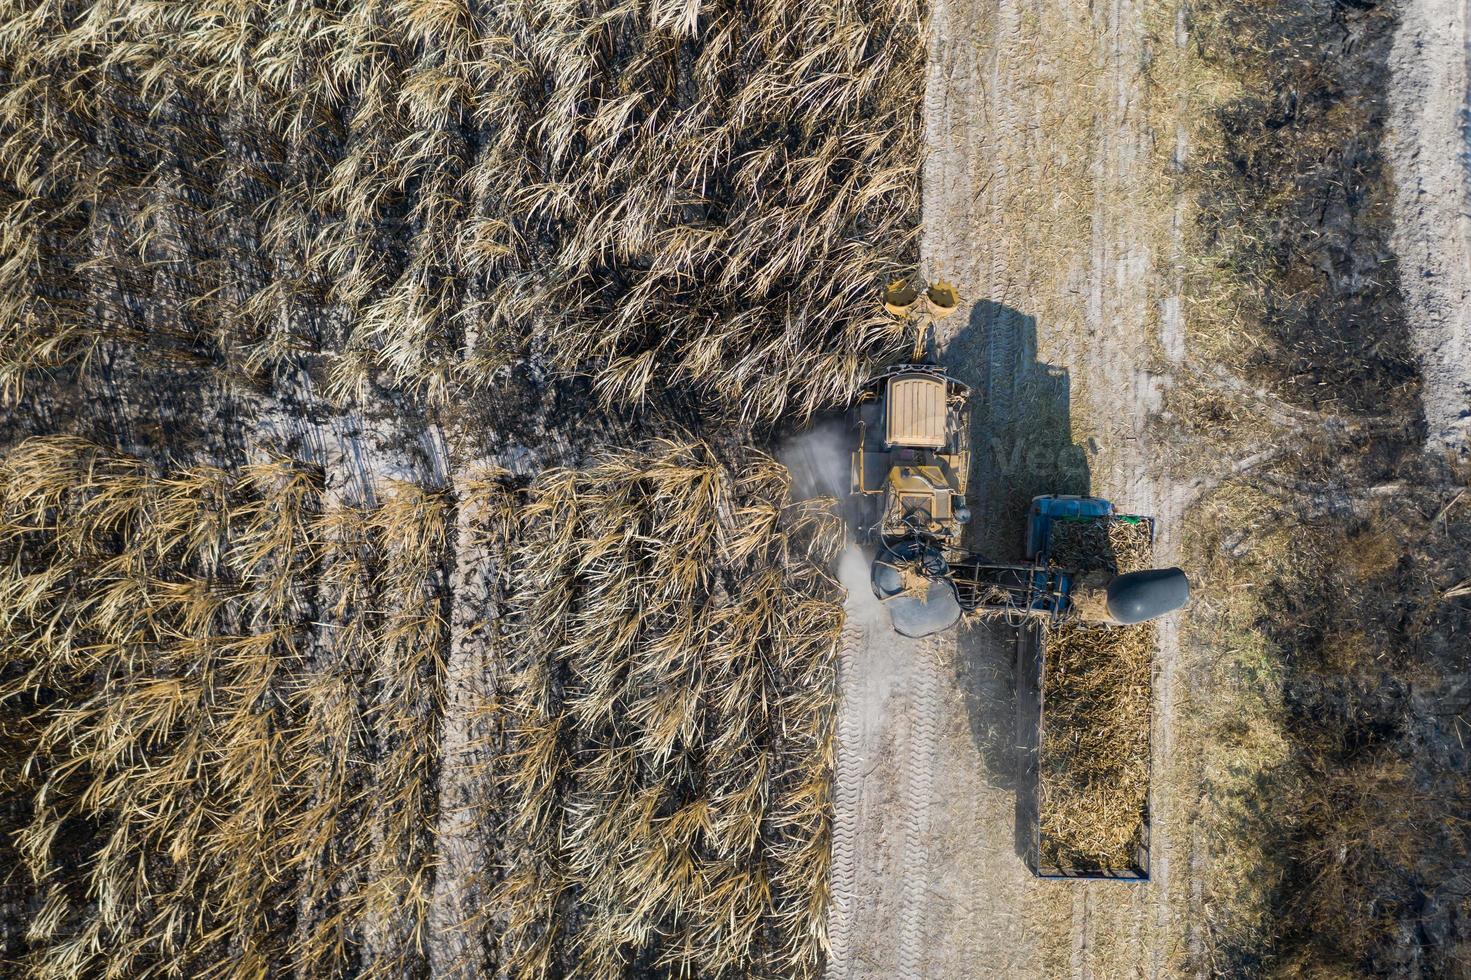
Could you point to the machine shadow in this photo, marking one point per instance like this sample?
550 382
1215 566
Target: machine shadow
1021 446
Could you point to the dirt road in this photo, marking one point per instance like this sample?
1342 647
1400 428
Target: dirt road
1047 202
886 731
1432 228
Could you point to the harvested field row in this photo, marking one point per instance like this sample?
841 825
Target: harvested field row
1093 766
421 192
222 698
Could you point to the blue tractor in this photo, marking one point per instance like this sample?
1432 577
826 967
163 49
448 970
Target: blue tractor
909 472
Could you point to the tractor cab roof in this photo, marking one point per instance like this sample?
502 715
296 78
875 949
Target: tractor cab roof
917 411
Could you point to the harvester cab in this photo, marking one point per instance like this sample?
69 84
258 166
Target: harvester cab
912 459
909 470
908 480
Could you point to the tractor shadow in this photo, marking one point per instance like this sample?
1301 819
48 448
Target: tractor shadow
1021 446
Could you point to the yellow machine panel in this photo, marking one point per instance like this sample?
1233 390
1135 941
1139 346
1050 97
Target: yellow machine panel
916 412
924 487
870 471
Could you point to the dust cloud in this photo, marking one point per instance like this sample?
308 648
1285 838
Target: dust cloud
818 460
862 608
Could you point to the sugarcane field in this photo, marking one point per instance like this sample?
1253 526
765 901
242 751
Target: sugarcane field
875 489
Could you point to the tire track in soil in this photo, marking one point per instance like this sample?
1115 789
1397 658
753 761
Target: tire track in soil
924 704
1008 16
1427 146
464 844
848 780
875 668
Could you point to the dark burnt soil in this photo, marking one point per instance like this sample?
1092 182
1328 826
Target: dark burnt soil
1366 848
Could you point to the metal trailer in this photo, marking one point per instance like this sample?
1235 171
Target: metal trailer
1032 696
